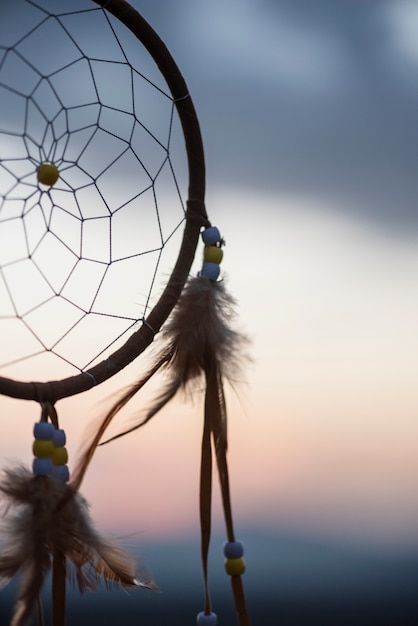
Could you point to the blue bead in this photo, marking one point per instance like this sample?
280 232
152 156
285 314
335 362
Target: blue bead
233 550
43 430
58 438
42 466
206 620
61 473
210 270
211 236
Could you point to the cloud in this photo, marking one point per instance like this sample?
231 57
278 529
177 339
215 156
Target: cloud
309 101
252 45
401 21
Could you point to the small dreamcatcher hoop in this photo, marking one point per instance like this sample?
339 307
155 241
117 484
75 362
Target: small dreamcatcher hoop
199 340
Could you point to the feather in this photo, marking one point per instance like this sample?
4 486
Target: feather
200 349
44 517
200 331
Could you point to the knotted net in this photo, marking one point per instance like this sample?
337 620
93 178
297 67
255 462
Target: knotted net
83 261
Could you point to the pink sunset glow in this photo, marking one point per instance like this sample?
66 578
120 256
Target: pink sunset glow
322 428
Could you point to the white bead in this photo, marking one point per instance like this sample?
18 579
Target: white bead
58 438
61 473
211 236
43 430
233 549
210 270
42 466
206 620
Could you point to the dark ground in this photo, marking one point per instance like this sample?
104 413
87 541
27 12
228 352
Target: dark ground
290 581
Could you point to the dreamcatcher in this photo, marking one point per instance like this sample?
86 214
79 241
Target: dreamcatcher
90 200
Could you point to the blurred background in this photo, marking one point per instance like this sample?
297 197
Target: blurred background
309 117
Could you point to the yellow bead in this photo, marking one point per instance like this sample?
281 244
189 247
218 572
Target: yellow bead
42 448
213 254
59 456
235 567
48 174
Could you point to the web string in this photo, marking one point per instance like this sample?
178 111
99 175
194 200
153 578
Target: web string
80 262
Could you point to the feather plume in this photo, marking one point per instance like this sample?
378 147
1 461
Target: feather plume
199 333
200 349
45 517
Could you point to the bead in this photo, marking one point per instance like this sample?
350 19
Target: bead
42 467
211 235
42 448
58 438
213 254
235 567
61 473
206 620
59 456
233 549
43 430
210 270
48 174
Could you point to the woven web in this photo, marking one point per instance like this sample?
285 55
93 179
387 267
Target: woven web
82 261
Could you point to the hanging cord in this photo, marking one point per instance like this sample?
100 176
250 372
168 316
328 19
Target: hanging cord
59 569
215 426
59 601
40 612
206 503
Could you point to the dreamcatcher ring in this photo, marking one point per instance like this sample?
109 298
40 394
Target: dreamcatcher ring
48 520
196 218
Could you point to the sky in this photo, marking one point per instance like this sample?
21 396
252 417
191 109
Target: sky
308 115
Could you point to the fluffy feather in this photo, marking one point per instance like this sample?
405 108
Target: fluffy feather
200 332
200 349
45 516
200 328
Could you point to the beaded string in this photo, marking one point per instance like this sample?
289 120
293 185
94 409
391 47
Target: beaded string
212 254
51 456
233 550
50 462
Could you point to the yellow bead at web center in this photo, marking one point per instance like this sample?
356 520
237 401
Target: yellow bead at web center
48 174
